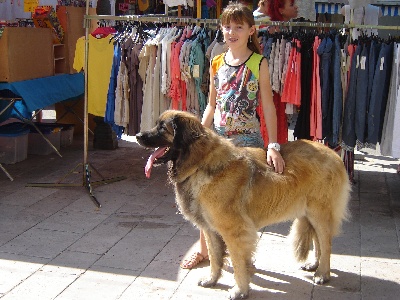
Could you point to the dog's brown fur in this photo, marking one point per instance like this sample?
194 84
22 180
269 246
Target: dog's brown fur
230 193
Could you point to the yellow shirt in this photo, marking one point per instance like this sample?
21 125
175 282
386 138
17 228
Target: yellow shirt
100 62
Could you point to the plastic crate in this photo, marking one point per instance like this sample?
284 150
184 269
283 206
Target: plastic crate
37 145
13 143
67 134
67 131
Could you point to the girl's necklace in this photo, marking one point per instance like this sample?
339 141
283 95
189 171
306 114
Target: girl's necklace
236 61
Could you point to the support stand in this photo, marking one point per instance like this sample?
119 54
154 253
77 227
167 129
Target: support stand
86 181
86 168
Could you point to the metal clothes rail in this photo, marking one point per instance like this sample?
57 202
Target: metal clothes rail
327 25
179 20
153 18
189 20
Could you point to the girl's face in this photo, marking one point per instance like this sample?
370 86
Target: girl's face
289 10
236 34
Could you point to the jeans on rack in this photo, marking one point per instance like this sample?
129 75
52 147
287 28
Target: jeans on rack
267 42
374 50
325 52
110 104
348 132
379 94
361 96
337 93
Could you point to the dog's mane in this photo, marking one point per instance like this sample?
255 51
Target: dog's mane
194 147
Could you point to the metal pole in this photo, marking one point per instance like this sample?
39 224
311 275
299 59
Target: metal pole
85 105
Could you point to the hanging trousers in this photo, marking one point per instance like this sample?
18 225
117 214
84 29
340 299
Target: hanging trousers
361 95
348 131
337 93
379 94
374 50
325 53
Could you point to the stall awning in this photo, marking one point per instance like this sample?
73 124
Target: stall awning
334 8
390 10
330 8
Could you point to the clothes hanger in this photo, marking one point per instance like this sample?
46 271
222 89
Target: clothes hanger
103 31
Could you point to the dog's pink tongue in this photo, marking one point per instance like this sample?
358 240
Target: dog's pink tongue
157 153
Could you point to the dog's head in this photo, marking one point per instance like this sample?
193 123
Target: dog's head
173 134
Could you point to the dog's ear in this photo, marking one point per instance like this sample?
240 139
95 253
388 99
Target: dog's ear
187 129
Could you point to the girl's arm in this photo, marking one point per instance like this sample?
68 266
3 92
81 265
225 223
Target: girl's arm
208 115
273 156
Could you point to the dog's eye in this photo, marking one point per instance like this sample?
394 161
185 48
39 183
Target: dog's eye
162 127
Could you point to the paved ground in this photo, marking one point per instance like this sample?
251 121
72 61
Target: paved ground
55 244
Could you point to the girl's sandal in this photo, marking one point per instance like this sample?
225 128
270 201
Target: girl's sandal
193 260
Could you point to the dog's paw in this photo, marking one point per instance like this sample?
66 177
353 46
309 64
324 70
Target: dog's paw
235 293
310 267
207 282
321 278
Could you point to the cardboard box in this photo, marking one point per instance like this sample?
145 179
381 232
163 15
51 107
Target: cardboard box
72 21
26 53
13 143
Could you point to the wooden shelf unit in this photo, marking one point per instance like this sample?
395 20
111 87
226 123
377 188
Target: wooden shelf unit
59 59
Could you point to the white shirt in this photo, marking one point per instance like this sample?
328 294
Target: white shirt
172 3
306 9
368 15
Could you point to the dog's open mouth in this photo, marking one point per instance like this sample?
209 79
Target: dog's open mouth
156 158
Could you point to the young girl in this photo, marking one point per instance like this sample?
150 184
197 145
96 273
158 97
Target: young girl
239 84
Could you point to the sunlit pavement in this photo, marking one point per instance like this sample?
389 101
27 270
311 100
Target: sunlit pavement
56 244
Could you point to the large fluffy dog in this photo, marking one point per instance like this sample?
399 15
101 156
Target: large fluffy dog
231 192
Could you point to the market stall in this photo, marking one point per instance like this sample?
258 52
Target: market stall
179 15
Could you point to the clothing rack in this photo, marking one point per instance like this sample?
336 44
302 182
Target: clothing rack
326 25
179 20
153 18
215 22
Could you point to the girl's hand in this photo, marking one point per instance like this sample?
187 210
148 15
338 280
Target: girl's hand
275 159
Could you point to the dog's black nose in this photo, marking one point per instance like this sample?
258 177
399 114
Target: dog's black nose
139 136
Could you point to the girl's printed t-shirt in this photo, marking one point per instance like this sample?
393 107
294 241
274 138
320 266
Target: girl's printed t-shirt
237 95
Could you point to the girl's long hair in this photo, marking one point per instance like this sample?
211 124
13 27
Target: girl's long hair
240 14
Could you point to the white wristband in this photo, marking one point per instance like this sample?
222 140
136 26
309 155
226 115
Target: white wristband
274 146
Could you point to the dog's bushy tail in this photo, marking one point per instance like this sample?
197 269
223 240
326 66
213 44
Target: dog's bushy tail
301 236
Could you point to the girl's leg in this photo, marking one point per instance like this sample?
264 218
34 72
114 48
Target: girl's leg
197 257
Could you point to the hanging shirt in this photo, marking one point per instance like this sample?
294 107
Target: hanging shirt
148 117
100 50
390 142
237 95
